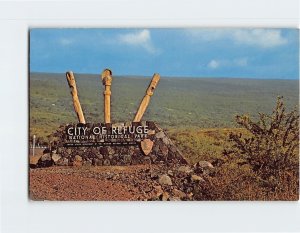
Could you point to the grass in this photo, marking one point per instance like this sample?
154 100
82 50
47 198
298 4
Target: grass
178 103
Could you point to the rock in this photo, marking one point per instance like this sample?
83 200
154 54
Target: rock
34 159
165 196
179 193
190 196
204 164
160 134
46 151
69 151
151 132
127 159
147 160
146 146
77 163
62 162
153 158
87 163
156 148
170 173
103 151
106 162
166 140
174 149
78 158
99 162
158 190
100 156
153 175
110 150
185 169
165 180
95 161
55 158
197 178
46 157
203 167
164 150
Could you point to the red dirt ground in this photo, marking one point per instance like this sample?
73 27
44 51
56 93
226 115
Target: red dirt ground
114 183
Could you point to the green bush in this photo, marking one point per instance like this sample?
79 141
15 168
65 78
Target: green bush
271 149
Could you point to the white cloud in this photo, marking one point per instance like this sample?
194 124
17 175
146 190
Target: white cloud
213 64
140 38
262 37
265 38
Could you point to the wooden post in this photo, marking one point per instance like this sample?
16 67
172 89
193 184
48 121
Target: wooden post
33 145
145 102
77 107
106 81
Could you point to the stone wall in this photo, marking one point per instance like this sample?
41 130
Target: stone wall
163 150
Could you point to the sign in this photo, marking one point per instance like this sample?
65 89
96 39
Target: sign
104 134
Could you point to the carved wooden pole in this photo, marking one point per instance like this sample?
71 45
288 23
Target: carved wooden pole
145 102
106 81
77 107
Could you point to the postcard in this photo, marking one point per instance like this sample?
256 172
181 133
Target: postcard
163 114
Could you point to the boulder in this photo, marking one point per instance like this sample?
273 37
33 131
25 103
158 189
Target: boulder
185 169
178 193
165 196
165 180
78 158
46 157
204 167
158 190
127 159
160 134
33 160
196 178
45 161
204 164
147 160
55 158
87 163
106 162
62 162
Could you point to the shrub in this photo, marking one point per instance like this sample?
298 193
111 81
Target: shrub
271 149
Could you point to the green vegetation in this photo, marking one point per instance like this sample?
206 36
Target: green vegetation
180 103
198 115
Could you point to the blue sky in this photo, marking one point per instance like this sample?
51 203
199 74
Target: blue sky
245 53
